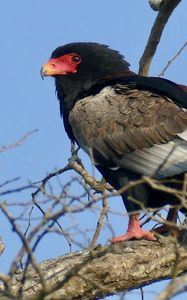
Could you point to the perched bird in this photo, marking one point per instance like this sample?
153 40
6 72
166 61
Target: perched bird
129 125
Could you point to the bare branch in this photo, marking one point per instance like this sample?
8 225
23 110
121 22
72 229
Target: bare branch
77 167
164 13
103 271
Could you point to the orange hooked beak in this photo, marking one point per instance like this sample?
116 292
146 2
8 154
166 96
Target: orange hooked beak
62 65
54 67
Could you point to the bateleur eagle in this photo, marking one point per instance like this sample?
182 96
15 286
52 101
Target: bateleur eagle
129 125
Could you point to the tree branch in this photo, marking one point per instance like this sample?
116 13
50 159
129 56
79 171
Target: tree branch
165 12
105 270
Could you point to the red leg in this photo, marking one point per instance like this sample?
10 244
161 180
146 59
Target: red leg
134 231
171 219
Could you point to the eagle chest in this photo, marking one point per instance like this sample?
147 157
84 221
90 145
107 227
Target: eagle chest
94 117
109 113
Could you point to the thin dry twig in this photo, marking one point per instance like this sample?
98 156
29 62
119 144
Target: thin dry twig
18 142
100 221
77 167
26 245
172 60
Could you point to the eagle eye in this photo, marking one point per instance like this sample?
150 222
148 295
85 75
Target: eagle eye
76 59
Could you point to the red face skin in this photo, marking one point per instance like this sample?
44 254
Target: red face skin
62 65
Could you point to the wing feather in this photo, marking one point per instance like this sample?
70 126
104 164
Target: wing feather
112 124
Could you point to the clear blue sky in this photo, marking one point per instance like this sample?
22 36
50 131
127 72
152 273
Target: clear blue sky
30 31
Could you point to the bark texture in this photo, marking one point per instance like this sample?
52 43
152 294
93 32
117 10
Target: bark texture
105 270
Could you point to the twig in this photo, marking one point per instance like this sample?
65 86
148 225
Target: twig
142 293
9 181
17 190
149 218
54 221
172 60
18 142
29 221
99 222
25 244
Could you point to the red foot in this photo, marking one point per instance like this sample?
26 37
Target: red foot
134 231
139 234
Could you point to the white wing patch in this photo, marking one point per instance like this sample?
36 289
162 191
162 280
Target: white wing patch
159 161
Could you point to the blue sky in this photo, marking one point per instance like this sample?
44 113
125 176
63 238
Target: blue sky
30 31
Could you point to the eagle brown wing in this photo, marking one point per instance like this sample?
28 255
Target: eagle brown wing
119 121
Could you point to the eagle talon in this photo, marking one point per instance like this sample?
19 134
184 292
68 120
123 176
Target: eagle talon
134 232
147 235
